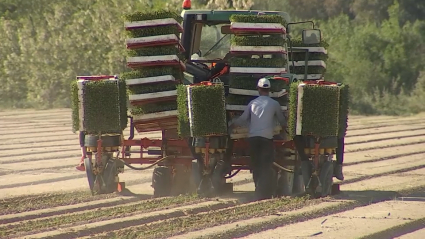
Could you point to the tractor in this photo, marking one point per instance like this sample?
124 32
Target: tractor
204 164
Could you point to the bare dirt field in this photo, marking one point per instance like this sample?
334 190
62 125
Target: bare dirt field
43 196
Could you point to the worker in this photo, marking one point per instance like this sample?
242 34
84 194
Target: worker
83 152
261 114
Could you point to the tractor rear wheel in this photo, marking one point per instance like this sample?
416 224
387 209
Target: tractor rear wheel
161 181
90 175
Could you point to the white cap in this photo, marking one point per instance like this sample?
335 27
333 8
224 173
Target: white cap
263 83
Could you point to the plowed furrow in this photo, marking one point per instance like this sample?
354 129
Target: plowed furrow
36 130
322 222
386 130
41 201
167 228
385 144
411 135
399 230
135 219
381 125
378 168
356 195
106 213
206 220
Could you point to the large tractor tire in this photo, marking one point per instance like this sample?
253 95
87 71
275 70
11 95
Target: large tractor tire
161 181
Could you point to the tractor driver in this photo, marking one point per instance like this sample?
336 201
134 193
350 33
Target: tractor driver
261 114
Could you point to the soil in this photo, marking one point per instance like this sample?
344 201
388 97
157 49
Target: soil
382 196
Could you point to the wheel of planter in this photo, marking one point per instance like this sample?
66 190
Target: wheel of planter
108 175
326 178
107 140
89 173
161 181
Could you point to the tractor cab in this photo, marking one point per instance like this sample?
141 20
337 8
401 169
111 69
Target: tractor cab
207 39
207 36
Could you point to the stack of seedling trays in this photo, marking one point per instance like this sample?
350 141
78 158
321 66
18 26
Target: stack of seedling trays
317 58
202 115
99 105
318 110
156 59
256 37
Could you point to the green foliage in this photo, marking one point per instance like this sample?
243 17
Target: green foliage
153 107
258 18
208 111
257 62
378 47
250 83
183 128
258 40
152 15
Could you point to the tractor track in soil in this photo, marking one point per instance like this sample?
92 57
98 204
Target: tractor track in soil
370 179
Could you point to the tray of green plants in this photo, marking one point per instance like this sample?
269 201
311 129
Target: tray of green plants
99 106
258 23
152 23
206 110
315 109
257 40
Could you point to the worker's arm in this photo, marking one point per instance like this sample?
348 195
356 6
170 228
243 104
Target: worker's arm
279 115
244 117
